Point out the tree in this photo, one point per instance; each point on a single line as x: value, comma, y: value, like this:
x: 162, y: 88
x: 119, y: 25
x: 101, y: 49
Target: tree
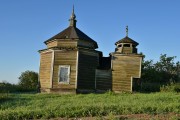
x: 28, y: 80
x: 163, y: 71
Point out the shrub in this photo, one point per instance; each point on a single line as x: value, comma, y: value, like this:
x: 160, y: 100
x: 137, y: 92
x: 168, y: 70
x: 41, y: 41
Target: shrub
x: 165, y: 71
x: 28, y: 80
x: 150, y: 87
x: 172, y: 87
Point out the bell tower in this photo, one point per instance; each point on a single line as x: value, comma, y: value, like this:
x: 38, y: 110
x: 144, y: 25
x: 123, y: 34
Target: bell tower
x: 126, y: 45
x: 125, y: 64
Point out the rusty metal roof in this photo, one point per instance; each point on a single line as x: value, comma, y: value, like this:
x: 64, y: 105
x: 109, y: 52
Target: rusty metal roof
x: 127, y: 40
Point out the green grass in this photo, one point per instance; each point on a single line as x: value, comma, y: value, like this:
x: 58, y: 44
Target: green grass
x: 44, y: 106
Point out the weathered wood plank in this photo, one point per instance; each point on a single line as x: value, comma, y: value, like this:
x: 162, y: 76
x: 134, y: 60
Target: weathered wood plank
x: 45, y: 69
x: 124, y: 68
x: 65, y: 58
x: 88, y: 62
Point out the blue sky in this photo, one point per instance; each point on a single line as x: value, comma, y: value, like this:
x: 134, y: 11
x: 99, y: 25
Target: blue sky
x: 25, y: 25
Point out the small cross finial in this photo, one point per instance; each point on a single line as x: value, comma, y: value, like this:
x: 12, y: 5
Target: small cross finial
x: 126, y: 31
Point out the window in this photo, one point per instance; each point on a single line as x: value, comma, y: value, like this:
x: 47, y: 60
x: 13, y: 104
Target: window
x: 64, y: 72
x: 120, y: 45
x: 126, y: 45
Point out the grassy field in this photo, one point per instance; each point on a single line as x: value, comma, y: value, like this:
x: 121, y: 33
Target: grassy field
x: 45, y: 106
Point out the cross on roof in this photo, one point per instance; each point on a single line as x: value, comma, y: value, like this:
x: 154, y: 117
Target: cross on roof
x: 126, y: 31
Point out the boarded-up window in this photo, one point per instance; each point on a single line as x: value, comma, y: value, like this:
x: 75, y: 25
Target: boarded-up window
x: 64, y: 72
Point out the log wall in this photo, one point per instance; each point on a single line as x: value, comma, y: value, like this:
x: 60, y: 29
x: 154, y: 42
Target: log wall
x: 64, y: 57
x: 124, y: 69
x: 62, y: 43
x: 67, y: 43
x: 45, y: 69
x: 52, y: 44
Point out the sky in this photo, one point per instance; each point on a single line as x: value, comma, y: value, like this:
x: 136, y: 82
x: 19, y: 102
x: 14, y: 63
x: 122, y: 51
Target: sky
x: 26, y: 24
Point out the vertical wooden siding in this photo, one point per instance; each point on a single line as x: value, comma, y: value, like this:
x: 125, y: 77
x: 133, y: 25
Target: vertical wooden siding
x: 87, y: 64
x: 103, y: 79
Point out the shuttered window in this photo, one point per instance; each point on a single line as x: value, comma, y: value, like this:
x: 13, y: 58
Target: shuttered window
x: 64, y: 73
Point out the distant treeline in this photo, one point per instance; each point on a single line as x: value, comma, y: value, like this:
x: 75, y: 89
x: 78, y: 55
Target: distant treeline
x: 28, y: 82
x: 13, y: 88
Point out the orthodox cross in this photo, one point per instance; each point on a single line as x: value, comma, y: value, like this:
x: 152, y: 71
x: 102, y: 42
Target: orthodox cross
x: 126, y: 31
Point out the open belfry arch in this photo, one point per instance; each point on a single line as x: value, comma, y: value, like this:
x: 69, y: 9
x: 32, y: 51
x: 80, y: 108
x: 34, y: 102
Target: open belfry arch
x: 71, y: 63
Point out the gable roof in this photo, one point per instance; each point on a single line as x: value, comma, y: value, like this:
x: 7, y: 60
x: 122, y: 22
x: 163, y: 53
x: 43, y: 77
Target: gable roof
x: 127, y: 40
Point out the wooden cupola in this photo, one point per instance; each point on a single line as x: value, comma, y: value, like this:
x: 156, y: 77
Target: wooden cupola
x: 126, y: 45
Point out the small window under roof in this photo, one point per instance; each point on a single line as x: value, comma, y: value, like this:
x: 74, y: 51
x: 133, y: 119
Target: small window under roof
x: 120, y: 45
x: 126, y: 45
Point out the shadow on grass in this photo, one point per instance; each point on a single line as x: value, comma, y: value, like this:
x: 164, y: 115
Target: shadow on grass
x: 4, y: 97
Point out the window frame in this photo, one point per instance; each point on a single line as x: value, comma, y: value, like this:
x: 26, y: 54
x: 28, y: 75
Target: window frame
x: 59, y: 71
